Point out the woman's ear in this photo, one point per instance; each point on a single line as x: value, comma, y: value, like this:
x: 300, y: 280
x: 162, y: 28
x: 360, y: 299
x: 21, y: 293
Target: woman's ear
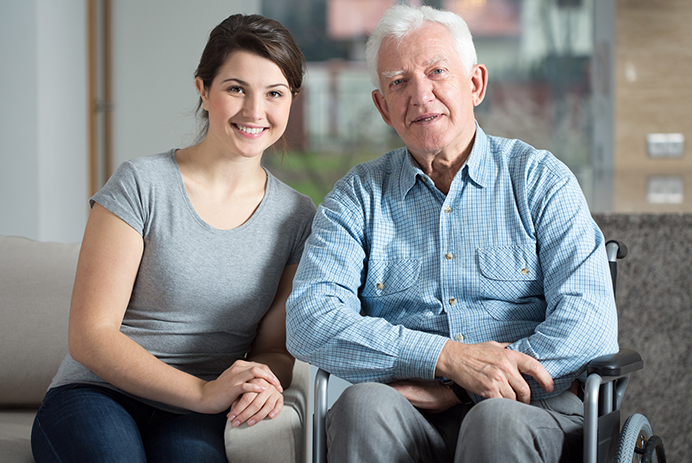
x: 203, y: 92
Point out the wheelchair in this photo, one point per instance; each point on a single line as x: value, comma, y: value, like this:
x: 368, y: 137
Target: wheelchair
x: 605, y: 441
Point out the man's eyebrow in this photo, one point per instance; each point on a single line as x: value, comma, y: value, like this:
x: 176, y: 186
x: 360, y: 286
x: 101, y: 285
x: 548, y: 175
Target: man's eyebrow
x: 430, y: 62
x: 390, y: 74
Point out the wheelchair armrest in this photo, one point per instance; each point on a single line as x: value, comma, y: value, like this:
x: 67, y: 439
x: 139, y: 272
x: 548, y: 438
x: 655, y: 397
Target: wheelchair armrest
x: 615, y: 365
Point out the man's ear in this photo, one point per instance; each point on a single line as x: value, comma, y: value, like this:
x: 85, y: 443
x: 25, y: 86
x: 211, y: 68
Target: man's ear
x: 479, y: 83
x: 381, y: 105
x: 203, y: 92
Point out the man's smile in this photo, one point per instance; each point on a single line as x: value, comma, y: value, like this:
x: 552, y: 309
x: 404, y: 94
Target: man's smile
x: 426, y: 118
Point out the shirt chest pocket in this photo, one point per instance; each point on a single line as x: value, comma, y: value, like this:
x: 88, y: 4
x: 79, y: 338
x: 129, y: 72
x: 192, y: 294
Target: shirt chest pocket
x: 511, y: 283
x: 390, y: 288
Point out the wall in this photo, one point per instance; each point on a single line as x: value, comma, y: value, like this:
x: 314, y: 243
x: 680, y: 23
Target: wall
x: 43, y: 119
x: 602, y: 105
x: 43, y: 87
x: 653, y: 64
x: 157, y: 46
x: 655, y: 318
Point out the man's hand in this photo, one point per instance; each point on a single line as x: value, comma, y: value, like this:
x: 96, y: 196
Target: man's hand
x: 491, y: 370
x: 428, y: 395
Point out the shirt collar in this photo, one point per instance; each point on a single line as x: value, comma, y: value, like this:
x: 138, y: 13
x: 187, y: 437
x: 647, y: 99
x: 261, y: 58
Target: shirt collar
x: 476, y: 164
x: 409, y: 173
x: 478, y: 161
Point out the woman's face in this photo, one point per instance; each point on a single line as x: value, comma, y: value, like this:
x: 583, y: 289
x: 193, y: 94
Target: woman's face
x: 248, y: 103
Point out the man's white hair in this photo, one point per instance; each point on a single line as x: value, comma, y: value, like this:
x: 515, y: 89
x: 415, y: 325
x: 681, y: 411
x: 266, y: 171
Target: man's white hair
x: 399, y: 20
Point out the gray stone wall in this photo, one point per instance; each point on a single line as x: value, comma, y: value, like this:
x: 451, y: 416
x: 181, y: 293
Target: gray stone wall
x: 654, y: 298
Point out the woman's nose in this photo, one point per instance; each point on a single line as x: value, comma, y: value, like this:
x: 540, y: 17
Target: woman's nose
x: 253, y: 107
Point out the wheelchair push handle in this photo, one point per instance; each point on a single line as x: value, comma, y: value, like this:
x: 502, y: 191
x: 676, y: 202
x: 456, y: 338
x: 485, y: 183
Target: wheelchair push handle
x: 616, y: 250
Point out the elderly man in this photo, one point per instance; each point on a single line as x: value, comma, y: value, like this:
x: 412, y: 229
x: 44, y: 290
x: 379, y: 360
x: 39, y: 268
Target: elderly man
x: 460, y: 281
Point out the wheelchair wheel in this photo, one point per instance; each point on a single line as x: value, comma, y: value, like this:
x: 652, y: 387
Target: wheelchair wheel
x: 633, y: 438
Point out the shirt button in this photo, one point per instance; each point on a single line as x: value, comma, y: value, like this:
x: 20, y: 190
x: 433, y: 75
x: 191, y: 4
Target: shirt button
x: 447, y: 210
x: 449, y: 256
x: 425, y: 179
x: 379, y: 286
x: 452, y: 301
x: 524, y: 271
x: 460, y: 337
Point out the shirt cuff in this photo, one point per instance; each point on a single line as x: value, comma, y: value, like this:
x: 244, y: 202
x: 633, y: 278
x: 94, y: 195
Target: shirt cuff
x: 419, y: 354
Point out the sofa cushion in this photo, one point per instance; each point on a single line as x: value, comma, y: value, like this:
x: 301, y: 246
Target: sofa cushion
x: 36, y: 280
x: 15, y: 436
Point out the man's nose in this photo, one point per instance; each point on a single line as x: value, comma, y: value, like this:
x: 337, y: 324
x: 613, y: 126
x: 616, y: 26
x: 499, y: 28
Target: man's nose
x: 421, y: 91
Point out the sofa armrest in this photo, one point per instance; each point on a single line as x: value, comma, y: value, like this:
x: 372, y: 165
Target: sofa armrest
x: 282, y: 439
x: 36, y: 280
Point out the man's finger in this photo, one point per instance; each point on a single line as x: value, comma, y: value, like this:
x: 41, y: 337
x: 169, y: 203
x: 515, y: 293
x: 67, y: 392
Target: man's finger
x: 508, y: 391
x: 520, y: 387
x: 533, y: 368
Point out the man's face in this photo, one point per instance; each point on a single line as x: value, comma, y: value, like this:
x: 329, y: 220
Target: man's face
x: 427, y: 95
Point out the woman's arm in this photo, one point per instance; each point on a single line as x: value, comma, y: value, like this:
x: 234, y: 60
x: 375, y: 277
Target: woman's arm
x: 269, y: 348
x: 108, y: 264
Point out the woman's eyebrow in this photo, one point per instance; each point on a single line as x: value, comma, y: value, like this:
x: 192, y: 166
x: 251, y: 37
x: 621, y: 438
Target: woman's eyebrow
x: 234, y: 79
x: 242, y: 82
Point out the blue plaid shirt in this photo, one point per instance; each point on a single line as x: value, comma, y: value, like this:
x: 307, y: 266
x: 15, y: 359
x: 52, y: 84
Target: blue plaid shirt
x: 394, y: 268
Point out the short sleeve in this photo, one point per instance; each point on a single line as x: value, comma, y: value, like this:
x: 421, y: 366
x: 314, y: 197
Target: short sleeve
x: 125, y: 195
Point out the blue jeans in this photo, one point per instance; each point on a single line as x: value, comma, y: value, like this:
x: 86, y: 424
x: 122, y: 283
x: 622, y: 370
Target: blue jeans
x: 86, y: 423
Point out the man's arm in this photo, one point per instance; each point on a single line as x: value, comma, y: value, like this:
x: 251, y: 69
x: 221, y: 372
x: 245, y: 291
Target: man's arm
x: 325, y: 326
x: 581, y: 320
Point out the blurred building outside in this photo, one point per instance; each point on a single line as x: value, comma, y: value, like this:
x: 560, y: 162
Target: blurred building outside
x: 538, y: 53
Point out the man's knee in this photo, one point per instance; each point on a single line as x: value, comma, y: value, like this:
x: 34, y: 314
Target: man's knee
x: 496, y: 417
x: 373, y: 422
x: 365, y: 404
x: 506, y: 430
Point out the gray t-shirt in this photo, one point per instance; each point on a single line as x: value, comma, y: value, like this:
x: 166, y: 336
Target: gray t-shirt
x: 200, y: 292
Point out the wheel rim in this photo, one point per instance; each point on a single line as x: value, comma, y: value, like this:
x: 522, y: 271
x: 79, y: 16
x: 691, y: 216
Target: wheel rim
x: 633, y: 438
x: 642, y: 439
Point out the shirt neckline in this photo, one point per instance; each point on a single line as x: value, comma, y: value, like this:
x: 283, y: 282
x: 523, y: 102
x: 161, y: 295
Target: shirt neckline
x: 193, y: 212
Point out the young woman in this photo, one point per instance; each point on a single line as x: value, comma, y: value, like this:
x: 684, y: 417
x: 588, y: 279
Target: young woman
x: 177, y: 322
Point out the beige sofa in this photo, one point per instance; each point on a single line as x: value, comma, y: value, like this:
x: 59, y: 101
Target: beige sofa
x: 36, y: 281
